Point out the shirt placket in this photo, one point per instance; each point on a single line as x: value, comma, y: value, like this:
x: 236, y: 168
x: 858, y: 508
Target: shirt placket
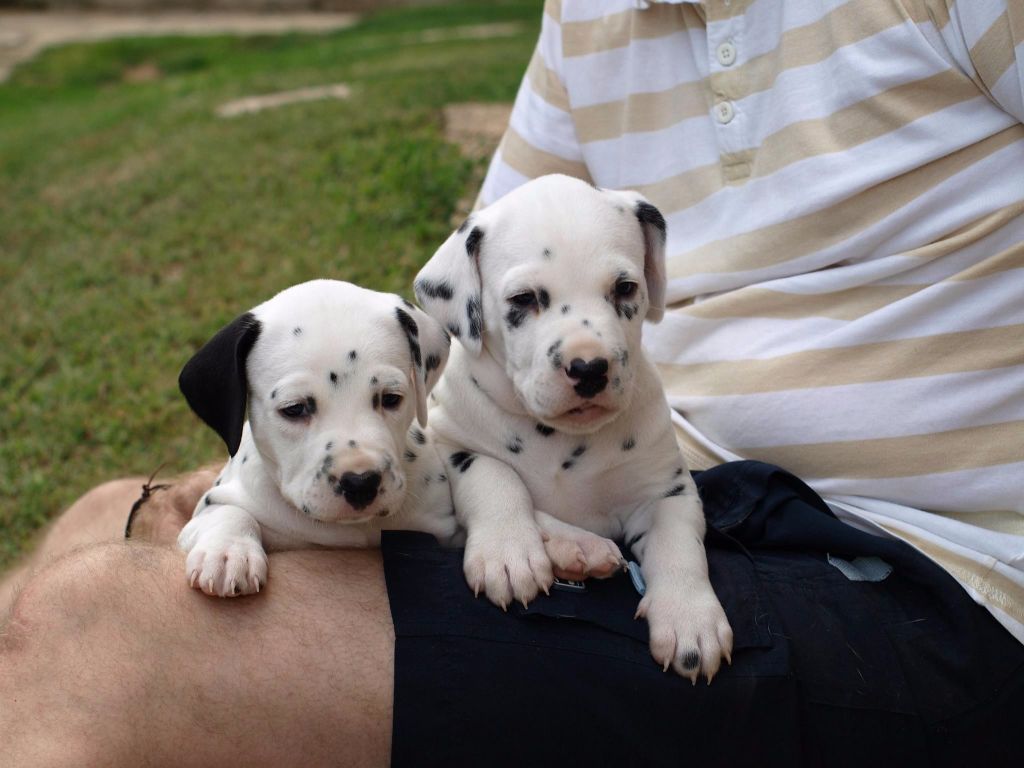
x: 732, y: 126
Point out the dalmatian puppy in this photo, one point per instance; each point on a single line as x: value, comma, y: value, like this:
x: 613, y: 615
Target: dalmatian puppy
x: 552, y: 419
x: 333, y: 376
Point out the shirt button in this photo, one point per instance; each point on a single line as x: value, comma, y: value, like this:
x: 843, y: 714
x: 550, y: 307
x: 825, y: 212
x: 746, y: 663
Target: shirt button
x: 726, y: 54
x: 724, y: 112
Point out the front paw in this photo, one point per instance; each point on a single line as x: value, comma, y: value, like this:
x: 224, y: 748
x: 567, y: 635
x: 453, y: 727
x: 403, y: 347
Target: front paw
x: 688, y: 632
x: 507, y: 566
x: 578, y: 554
x: 227, y: 567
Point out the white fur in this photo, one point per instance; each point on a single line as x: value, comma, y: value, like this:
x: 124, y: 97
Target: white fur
x: 278, y: 489
x: 531, y: 501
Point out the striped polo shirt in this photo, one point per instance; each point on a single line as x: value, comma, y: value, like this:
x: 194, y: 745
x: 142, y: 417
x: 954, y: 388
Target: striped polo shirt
x: 843, y: 182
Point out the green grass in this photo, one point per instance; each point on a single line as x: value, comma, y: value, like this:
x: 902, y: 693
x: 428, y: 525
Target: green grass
x: 134, y: 223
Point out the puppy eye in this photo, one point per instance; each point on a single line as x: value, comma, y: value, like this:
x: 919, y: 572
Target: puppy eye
x: 390, y: 401
x: 525, y: 299
x: 625, y: 289
x: 296, y: 411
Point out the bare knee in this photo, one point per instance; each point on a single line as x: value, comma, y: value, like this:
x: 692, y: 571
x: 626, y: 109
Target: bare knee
x: 75, y: 590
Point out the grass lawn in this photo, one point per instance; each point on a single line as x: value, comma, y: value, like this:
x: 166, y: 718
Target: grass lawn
x: 134, y: 222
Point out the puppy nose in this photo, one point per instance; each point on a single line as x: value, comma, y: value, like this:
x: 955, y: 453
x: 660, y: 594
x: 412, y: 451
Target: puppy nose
x: 592, y: 376
x: 358, y: 490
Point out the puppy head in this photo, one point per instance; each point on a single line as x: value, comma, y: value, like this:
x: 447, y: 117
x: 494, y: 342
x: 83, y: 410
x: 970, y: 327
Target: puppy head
x: 332, y: 375
x: 554, y: 281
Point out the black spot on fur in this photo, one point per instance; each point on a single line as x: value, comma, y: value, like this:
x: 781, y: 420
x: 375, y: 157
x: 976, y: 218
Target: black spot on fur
x: 351, y: 443
x: 462, y: 460
x: 432, y: 363
x: 334, y: 378
x: 412, y: 333
x: 312, y: 409
x: 580, y: 450
x: 677, y: 490
x: 330, y: 444
x: 543, y: 299
x: 455, y: 331
x: 442, y: 289
x: 473, y: 241
x: 475, y: 382
x: 515, y: 316
x: 586, y: 323
x: 547, y: 253
x: 297, y: 331
x: 475, y: 315
x: 408, y: 304
x: 565, y: 309
x: 648, y: 214
x: 567, y: 465
x: 310, y: 406
x: 353, y: 355
x: 515, y: 445
x: 418, y: 436
x: 463, y: 225
x: 208, y: 501
x: 679, y: 471
x: 306, y: 510
x: 273, y: 395
x: 629, y: 444
x: 545, y: 430
x: 691, y: 660
x: 554, y: 355
x: 442, y: 478
x: 409, y: 455
x: 373, y: 381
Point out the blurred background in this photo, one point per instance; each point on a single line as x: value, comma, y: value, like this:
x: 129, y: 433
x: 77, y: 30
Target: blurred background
x: 166, y: 165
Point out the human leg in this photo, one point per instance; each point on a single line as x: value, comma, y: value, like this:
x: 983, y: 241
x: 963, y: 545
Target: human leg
x: 100, y: 514
x: 108, y: 658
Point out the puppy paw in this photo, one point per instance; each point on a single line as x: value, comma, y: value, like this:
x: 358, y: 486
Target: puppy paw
x: 227, y: 567
x: 507, y: 566
x: 578, y: 554
x: 688, y: 632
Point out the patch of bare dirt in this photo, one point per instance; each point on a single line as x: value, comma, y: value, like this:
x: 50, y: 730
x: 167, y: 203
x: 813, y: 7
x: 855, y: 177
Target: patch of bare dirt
x: 476, y: 129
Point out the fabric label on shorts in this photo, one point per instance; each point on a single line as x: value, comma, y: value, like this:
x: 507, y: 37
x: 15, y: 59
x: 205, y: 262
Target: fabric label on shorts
x: 862, y: 568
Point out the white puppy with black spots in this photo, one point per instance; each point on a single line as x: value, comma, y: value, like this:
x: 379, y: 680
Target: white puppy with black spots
x: 551, y: 416
x: 333, y: 376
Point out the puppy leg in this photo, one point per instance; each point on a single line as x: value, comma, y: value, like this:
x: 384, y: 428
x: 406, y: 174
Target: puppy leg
x: 505, y: 555
x: 688, y: 628
x: 225, y: 552
x: 577, y: 553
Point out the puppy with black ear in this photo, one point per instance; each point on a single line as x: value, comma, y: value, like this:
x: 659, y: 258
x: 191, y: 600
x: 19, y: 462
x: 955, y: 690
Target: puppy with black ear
x: 553, y: 420
x: 332, y: 377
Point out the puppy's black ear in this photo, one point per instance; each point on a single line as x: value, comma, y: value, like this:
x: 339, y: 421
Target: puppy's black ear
x: 214, y: 381
x: 448, y: 287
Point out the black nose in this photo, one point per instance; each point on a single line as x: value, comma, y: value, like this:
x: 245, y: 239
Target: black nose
x: 358, y: 490
x: 592, y: 376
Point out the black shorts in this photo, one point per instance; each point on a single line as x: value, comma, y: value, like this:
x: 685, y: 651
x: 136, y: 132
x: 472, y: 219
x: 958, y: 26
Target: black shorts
x: 850, y: 649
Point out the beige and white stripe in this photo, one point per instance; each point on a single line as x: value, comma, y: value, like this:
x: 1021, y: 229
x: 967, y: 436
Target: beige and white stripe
x: 843, y: 182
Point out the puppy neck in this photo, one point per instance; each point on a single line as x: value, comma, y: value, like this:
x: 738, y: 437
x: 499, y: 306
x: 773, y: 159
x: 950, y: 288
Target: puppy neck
x: 494, y: 382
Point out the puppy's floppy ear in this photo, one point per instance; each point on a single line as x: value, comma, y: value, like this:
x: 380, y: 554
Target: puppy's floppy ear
x: 428, y: 346
x: 653, y: 229
x: 214, y: 381
x: 448, y: 287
